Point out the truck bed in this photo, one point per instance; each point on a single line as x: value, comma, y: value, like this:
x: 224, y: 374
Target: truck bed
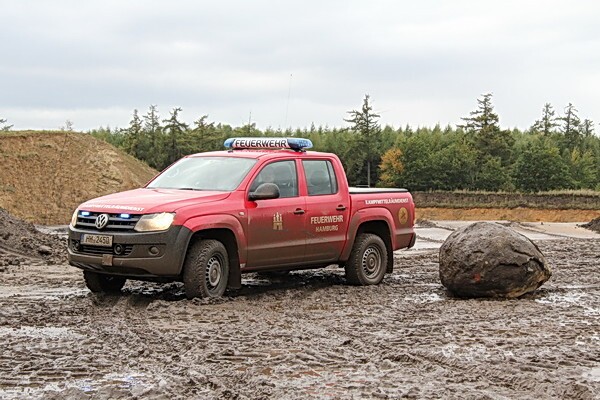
x: 361, y: 190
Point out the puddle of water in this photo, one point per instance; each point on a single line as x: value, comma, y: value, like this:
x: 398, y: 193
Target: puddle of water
x: 433, y: 234
x: 134, y: 382
x: 424, y: 298
x: 592, y: 311
x: 565, y: 229
x: 466, y: 353
x: 579, y: 298
x: 563, y: 299
x: 40, y: 332
x: 422, y: 245
x: 122, y: 381
x: 40, y: 293
x: 592, y: 375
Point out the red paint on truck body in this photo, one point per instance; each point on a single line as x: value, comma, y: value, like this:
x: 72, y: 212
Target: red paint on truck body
x: 311, y: 227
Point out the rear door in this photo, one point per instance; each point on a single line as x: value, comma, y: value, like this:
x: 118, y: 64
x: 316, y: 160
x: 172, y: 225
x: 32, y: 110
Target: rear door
x: 276, y: 228
x: 327, y: 211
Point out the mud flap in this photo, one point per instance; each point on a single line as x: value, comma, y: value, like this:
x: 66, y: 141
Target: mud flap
x: 390, y: 256
x: 390, y: 261
x: 412, y: 240
x: 235, y: 277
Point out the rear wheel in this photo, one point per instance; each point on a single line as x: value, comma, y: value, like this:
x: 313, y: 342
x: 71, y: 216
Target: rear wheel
x: 368, y: 260
x: 206, y: 269
x: 100, y: 283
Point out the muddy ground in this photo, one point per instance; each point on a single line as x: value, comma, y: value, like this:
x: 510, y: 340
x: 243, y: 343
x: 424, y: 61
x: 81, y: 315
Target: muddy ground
x: 308, y: 335
x: 593, y: 225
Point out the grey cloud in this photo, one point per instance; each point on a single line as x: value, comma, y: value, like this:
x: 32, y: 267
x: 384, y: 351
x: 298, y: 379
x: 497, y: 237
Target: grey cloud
x: 427, y: 61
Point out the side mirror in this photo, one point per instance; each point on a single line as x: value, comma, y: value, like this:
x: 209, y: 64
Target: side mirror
x: 265, y: 191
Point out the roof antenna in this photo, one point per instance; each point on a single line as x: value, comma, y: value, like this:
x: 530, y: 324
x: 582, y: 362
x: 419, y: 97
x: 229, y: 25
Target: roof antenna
x: 287, y: 107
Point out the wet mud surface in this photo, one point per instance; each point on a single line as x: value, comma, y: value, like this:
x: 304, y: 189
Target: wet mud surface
x: 593, y: 225
x: 306, y: 335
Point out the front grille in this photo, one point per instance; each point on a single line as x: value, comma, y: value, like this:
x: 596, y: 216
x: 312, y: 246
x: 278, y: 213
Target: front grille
x: 115, y: 222
x: 87, y: 249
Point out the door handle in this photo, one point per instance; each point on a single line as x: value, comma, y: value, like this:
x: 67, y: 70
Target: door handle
x: 299, y: 211
x: 340, y: 207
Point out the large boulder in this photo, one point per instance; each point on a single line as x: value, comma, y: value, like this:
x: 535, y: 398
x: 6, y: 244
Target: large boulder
x: 486, y: 259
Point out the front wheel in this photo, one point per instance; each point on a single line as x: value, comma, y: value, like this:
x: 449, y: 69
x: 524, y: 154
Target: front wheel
x: 368, y: 260
x: 100, y: 283
x: 206, y: 269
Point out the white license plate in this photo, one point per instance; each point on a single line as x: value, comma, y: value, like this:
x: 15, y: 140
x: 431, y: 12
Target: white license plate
x: 97, y: 240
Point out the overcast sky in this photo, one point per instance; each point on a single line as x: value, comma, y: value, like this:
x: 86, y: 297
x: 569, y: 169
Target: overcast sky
x: 293, y: 63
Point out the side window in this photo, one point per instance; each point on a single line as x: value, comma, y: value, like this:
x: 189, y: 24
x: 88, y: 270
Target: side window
x: 281, y: 173
x: 320, y: 177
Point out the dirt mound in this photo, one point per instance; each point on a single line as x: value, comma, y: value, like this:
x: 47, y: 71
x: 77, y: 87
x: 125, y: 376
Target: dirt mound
x: 593, y: 225
x: 21, y: 243
x: 45, y: 175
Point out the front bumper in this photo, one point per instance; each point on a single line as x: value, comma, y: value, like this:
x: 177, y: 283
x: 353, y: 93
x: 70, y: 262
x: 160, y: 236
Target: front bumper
x: 133, y: 254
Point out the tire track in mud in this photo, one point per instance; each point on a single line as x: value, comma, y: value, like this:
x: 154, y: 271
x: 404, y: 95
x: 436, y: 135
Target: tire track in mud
x: 8, y: 250
x: 9, y: 256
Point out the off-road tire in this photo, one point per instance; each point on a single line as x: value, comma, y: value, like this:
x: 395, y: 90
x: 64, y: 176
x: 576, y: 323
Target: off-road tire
x: 367, y: 264
x: 100, y: 283
x: 206, y: 269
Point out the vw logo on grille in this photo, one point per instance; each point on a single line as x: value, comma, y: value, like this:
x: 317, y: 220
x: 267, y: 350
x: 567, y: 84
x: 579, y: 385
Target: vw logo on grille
x: 101, y: 221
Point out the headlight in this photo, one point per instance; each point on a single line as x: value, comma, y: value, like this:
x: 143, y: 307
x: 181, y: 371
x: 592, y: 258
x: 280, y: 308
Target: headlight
x: 74, y: 219
x: 155, y: 222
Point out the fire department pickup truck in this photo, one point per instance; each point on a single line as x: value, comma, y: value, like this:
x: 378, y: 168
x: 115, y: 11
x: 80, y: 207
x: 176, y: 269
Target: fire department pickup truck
x: 265, y: 204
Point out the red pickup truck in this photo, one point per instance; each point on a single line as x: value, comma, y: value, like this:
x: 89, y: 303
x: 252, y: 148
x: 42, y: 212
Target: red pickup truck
x: 265, y: 204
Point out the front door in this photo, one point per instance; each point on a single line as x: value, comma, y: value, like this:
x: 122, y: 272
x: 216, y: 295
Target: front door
x: 276, y: 228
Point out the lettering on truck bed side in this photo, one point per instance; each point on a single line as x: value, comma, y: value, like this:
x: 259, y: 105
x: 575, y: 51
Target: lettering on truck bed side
x: 387, y: 201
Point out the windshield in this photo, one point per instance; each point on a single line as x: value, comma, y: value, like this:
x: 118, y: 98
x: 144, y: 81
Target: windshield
x: 204, y: 173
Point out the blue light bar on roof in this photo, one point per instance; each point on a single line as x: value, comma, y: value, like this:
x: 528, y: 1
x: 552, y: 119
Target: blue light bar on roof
x: 268, y: 143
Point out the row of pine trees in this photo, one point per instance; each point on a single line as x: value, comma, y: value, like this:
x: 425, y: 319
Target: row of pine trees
x: 557, y: 152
